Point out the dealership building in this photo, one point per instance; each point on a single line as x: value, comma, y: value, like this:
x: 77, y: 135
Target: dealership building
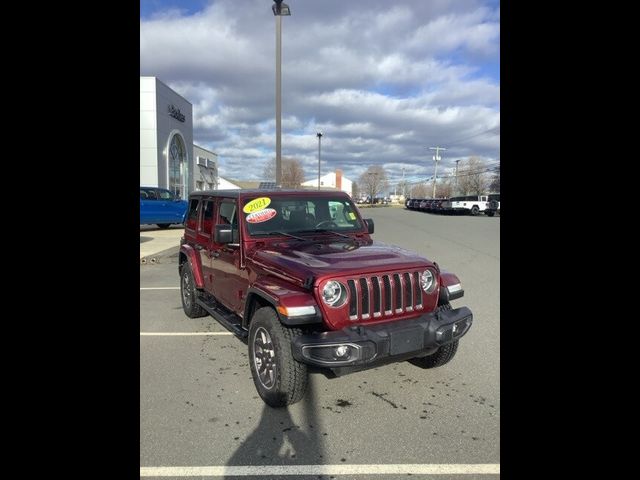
x: 168, y: 157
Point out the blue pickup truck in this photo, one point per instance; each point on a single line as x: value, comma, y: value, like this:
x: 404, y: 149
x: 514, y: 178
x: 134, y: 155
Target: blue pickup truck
x: 160, y: 206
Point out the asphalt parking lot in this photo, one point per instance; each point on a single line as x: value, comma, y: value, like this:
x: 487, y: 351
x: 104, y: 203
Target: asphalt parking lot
x: 200, y: 415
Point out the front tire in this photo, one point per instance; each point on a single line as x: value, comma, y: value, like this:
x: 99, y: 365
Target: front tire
x: 475, y: 210
x: 279, y: 378
x: 443, y: 355
x: 188, y: 293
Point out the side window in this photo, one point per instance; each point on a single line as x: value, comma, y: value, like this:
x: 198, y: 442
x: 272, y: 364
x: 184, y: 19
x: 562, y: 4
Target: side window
x: 227, y: 213
x: 192, y: 215
x: 207, y: 218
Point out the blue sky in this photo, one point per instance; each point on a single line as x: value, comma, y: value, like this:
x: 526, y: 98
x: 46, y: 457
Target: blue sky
x: 382, y: 80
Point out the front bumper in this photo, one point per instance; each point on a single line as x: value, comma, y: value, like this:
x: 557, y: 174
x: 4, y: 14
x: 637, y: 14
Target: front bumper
x: 370, y: 345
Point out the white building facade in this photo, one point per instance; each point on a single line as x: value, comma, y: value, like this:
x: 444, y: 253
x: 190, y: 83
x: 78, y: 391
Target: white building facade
x: 331, y: 180
x: 168, y: 157
x: 206, y: 169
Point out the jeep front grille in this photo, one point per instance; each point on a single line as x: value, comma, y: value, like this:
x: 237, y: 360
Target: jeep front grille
x: 384, y: 295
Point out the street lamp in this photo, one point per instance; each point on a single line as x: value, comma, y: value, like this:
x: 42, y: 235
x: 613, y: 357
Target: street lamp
x: 319, y: 135
x: 279, y: 9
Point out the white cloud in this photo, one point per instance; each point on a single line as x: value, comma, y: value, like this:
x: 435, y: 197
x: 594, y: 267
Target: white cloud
x: 381, y: 80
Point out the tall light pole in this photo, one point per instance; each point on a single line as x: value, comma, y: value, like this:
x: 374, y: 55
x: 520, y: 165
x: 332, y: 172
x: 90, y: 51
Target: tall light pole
x: 279, y: 9
x: 319, y: 135
x: 403, y: 185
x: 436, y: 158
x: 457, y: 175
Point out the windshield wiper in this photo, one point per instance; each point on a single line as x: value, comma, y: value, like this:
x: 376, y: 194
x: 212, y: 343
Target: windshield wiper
x: 284, y: 234
x: 322, y: 230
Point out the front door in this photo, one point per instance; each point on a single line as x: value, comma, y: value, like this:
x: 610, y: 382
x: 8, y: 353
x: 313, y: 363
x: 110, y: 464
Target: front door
x: 204, y: 240
x: 230, y: 282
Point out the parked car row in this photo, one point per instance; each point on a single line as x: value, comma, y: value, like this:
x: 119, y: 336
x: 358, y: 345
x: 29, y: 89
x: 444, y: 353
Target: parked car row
x: 376, y: 200
x: 470, y: 204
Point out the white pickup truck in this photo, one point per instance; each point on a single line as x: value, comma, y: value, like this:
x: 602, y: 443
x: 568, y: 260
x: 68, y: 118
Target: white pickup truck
x: 473, y: 204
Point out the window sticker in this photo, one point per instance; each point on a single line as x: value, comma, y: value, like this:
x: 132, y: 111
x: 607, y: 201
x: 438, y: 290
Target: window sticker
x: 256, y: 205
x: 352, y: 215
x: 261, y: 215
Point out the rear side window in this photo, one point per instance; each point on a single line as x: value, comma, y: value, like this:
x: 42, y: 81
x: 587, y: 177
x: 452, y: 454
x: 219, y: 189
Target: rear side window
x: 207, y: 218
x: 148, y: 194
x: 192, y: 214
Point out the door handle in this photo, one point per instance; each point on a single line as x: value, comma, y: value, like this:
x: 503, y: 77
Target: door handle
x: 215, y: 254
x: 199, y: 247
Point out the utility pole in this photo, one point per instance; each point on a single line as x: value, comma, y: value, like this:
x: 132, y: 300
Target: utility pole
x: 319, y: 135
x: 436, y: 158
x: 403, y: 185
x: 457, y: 176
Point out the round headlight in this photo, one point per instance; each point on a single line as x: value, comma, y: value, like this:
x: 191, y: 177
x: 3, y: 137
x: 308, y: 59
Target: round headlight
x: 428, y: 281
x: 334, y: 294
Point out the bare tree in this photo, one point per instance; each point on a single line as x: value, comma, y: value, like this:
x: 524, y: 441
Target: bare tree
x: 472, y: 177
x: 445, y: 187
x: 419, y: 191
x: 292, y: 172
x: 403, y: 188
x: 374, y: 181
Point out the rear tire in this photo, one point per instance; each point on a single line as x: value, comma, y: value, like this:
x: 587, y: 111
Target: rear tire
x: 163, y: 226
x: 279, y: 378
x: 189, y: 293
x: 443, y: 355
x: 490, y: 213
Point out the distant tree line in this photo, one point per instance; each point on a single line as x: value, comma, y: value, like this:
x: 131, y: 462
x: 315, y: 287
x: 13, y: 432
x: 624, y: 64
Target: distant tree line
x: 475, y: 177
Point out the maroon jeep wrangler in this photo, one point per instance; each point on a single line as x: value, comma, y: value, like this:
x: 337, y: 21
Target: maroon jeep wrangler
x: 297, y: 275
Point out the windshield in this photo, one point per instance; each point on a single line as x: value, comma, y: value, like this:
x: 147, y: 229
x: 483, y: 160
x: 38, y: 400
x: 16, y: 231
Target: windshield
x: 272, y: 215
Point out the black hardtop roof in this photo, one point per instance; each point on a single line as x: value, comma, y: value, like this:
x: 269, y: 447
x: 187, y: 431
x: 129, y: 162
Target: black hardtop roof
x: 245, y: 192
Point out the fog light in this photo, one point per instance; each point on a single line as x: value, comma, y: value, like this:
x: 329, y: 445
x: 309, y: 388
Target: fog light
x: 342, y: 351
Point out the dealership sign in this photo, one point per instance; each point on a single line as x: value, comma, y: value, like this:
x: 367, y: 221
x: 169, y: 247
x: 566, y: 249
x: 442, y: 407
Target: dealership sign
x: 176, y: 113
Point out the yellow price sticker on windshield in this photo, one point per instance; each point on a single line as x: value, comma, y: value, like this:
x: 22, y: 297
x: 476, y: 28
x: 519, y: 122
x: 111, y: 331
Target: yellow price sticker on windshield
x: 256, y: 205
x: 352, y: 215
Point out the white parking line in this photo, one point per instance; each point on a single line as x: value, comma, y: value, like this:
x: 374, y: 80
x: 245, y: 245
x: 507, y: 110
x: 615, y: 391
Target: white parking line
x: 159, y: 288
x: 273, y: 470
x: 181, y: 334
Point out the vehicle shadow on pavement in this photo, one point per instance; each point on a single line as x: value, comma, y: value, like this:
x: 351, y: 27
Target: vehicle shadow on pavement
x: 278, y: 440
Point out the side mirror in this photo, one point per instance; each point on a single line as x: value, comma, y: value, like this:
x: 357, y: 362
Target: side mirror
x: 369, y: 222
x: 223, y: 234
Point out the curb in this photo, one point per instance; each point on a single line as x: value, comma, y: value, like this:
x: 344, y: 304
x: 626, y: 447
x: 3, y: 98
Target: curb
x: 158, y: 257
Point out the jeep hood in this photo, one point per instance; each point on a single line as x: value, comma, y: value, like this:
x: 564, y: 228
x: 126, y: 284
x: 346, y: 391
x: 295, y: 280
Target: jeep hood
x: 302, y: 260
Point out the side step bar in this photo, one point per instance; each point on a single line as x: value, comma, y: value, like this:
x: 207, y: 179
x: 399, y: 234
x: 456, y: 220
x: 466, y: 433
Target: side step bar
x: 226, y: 319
